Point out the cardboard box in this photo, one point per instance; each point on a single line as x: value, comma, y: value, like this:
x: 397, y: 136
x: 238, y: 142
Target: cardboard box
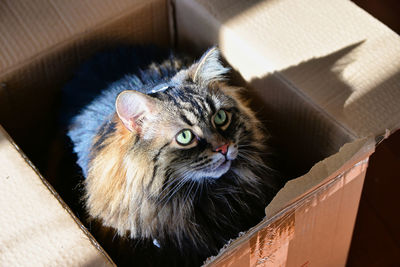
x: 326, y: 75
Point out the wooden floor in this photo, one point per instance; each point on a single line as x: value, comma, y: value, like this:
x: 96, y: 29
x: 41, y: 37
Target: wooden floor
x: 376, y: 238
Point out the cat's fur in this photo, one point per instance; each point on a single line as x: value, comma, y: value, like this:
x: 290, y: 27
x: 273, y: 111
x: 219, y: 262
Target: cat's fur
x: 142, y: 183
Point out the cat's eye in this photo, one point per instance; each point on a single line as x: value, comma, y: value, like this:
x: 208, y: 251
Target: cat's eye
x: 220, y: 118
x: 184, y: 137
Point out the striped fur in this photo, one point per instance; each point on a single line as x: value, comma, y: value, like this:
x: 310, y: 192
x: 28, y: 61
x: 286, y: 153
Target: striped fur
x: 146, y: 186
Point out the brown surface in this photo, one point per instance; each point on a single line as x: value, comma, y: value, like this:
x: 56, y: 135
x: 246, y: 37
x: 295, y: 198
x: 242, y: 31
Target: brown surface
x: 387, y: 11
x: 376, y: 238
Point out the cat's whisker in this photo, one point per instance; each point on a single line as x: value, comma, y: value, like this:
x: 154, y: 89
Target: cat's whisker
x: 259, y: 167
x: 260, y: 153
x: 169, y: 184
x: 192, y: 183
x: 248, y: 151
x: 181, y: 182
x: 166, y: 187
x: 198, y: 184
x: 187, y: 193
x: 247, y: 156
x: 172, y: 193
x: 147, y: 199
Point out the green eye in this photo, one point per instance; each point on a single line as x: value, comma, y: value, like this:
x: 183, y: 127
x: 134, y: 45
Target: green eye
x: 220, y: 118
x: 184, y: 137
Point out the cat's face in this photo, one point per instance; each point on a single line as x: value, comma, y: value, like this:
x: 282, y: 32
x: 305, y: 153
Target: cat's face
x: 202, y: 128
x: 196, y: 128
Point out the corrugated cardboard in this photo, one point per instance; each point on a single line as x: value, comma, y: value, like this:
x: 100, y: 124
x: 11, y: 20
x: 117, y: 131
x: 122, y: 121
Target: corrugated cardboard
x: 325, y: 72
x: 36, y: 226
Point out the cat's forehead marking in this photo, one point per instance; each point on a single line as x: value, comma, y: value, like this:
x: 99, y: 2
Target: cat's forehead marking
x: 216, y: 101
x: 198, y: 131
x: 188, y: 117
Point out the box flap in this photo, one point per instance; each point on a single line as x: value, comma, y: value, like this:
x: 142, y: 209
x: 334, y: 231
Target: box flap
x: 287, y: 224
x: 332, y: 52
x: 37, y: 227
x: 30, y: 28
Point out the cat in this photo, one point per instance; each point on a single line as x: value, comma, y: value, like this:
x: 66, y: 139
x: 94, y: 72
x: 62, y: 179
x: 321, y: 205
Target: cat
x: 172, y: 158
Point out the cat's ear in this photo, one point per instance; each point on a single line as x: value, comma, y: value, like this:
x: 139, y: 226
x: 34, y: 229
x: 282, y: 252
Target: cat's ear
x: 209, y: 68
x: 133, y: 107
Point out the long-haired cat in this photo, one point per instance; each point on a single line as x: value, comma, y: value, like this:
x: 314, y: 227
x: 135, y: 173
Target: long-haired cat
x: 172, y: 159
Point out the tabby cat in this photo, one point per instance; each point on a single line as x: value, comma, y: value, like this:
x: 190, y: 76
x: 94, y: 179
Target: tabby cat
x: 172, y: 157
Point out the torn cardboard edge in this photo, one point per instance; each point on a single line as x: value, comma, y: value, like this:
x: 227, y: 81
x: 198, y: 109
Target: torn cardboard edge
x: 348, y: 155
x: 321, y: 175
x: 54, y: 193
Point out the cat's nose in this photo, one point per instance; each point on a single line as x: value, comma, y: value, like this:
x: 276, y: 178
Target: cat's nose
x: 222, y: 149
